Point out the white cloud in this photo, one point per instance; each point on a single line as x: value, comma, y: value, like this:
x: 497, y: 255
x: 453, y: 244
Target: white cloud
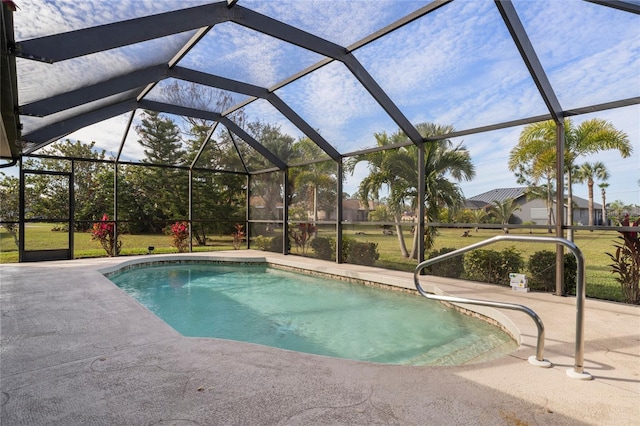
x: 457, y: 65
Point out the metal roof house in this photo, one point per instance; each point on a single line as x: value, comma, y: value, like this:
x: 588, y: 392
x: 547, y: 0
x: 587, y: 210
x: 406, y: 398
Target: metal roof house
x: 534, y: 210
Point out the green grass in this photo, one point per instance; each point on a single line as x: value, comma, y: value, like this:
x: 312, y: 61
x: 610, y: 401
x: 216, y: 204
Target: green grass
x: 41, y: 237
x: 600, y: 282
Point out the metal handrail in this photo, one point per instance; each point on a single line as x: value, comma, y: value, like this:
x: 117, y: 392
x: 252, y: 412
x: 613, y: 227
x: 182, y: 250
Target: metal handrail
x: 578, y: 368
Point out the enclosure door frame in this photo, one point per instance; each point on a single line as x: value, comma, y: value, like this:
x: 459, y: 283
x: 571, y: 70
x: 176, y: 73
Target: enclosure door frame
x: 47, y: 254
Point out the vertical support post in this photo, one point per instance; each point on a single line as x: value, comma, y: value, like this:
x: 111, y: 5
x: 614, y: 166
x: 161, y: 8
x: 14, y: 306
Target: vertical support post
x: 115, y: 204
x: 72, y: 207
x: 190, y: 209
x: 21, y: 218
x: 285, y: 213
x: 339, y: 210
x: 421, y: 200
x: 247, y: 214
x: 559, y: 206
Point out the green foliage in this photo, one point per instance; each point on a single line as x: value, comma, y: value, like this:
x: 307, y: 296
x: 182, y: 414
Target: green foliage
x: 276, y: 244
x: 396, y: 170
x: 301, y: 234
x: 179, y: 233
x: 105, y: 233
x: 262, y: 243
x: 492, y: 266
x: 347, y: 243
x: 502, y: 211
x: 360, y: 253
x: 322, y: 248
x: 238, y: 236
x: 626, y: 265
x: 450, y: 268
x: 542, y: 271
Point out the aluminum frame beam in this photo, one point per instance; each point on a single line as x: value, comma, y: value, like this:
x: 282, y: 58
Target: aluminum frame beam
x: 44, y: 136
x: 530, y: 58
x: 114, y: 86
x: 214, y: 116
x: 620, y: 5
x: 72, y: 44
x: 91, y: 40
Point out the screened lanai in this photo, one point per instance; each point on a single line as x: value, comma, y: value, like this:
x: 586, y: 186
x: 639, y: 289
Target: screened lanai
x: 277, y: 116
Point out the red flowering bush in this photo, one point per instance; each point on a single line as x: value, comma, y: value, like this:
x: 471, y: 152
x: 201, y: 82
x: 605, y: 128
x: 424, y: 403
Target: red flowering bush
x: 302, y: 236
x: 238, y: 236
x: 179, y: 233
x: 104, y: 232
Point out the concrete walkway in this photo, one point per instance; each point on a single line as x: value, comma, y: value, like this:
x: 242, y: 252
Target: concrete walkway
x: 76, y: 350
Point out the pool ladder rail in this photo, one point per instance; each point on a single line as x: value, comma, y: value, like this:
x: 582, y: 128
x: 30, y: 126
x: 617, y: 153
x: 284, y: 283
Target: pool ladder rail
x: 577, y: 372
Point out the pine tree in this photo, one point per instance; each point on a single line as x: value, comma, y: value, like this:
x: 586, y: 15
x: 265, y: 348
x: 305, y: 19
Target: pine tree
x: 167, y: 187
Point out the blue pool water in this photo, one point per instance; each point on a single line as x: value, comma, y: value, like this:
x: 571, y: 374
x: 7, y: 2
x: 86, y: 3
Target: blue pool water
x: 306, y: 313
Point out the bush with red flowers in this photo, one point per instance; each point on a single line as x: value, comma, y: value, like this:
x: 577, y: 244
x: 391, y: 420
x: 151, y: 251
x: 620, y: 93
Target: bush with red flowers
x: 105, y: 232
x: 179, y: 233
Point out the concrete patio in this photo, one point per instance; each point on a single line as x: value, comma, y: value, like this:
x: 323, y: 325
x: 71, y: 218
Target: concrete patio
x: 76, y: 350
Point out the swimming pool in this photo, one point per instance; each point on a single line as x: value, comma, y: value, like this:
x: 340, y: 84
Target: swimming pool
x: 307, y: 313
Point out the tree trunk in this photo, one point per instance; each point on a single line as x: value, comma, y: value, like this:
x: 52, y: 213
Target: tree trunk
x: 569, y: 205
x: 549, y: 207
x: 414, y: 248
x: 315, y: 210
x: 604, y: 208
x: 590, y: 186
x: 403, y: 246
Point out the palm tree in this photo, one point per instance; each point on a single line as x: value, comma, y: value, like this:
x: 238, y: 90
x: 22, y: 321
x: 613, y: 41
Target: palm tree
x: 542, y: 192
x: 588, y: 172
x: 479, y: 216
x: 537, y: 146
x: 503, y: 210
x: 316, y: 176
x: 397, y: 170
x: 603, y: 189
x: 531, y: 167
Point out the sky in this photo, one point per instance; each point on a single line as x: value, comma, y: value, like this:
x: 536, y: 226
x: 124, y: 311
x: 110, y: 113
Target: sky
x: 456, y: 66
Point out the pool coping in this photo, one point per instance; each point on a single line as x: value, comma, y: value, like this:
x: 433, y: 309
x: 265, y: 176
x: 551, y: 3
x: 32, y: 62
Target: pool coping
x: 78, y: 350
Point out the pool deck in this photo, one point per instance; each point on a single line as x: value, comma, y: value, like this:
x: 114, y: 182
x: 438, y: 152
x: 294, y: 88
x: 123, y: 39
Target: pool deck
x: 76, y: 350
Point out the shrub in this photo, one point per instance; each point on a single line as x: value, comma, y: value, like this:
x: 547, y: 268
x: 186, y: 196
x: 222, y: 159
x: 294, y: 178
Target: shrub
x: 261, y: 242
x: 512, y: 261
x: 275, y: 245
x: 542, y: 271
x: 104, y: 232
x: 179, y: 233
x: 363, y: 253
x: 492, y: 266
x: 238, y: 236
x: 301, y: 235
x: 322, y: 248
x: 626, y: 265
x: 450, y: 268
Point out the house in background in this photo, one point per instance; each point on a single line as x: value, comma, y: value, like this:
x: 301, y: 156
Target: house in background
x: 534, y: 210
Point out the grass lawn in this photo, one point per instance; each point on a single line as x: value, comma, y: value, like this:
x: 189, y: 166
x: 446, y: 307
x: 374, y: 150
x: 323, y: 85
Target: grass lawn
x: 600, y: 282
x: 40, y: 237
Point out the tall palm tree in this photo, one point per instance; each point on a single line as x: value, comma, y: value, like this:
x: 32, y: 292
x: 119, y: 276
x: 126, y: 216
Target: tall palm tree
x: 537, y: 147
x: 503, y: 210
x: 315, y: 176
x: 589, y: 172
x: 397, y: 170
x: 603, y: 189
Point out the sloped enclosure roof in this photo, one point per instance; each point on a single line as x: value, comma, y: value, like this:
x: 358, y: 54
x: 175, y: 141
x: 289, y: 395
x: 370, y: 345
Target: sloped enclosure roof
x: 335, y: 71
